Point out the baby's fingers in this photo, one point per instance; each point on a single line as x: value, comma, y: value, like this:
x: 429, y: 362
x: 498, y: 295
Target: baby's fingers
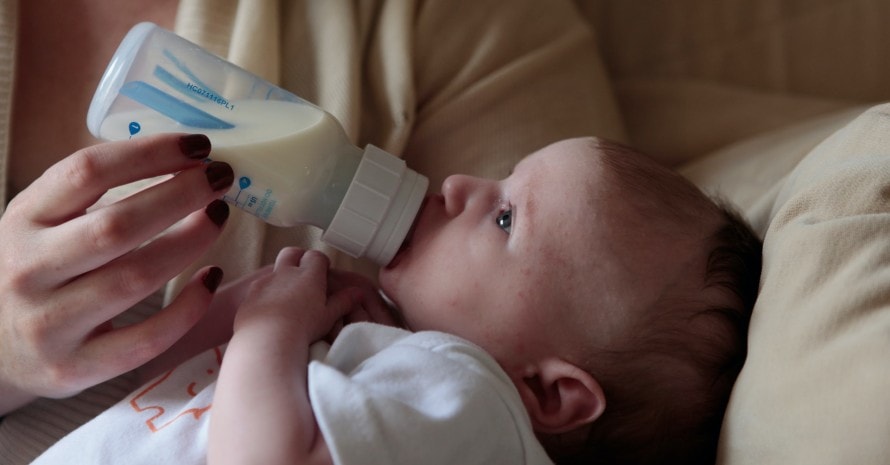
x: 373, y: 306
x: 289, y: 256
x: 339, y: 305
x: 311, y: 264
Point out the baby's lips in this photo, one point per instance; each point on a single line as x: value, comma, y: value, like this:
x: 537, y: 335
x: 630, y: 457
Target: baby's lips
x: 406, y: 244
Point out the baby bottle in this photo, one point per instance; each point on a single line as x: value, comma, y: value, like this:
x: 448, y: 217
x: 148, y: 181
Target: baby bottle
x: 293, y: 162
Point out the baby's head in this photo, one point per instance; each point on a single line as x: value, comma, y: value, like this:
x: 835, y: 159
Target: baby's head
x: 614, y: 294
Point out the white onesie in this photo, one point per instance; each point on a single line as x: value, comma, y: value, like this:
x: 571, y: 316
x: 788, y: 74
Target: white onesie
x: 381, y: 395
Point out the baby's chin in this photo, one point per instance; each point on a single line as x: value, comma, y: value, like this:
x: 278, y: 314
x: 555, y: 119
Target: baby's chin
x: 390, y: 292
x: 386, y: 278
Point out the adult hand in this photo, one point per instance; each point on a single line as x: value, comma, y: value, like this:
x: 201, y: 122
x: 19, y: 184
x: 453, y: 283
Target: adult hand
x: 213, y: 329
x: 69, y: 267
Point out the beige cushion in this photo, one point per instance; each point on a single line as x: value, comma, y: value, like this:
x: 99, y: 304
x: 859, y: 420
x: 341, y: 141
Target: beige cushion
x: 678, y: 120
x: 750, y: 172
x: 816, y: 386
x: 820, y: 48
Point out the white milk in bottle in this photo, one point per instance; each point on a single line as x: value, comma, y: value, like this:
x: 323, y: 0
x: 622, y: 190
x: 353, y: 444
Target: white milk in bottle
x: 282, y: 154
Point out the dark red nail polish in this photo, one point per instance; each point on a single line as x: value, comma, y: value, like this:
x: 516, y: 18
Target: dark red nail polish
x: 212, y: 278
x: 219, y: 175
x: 218, y: 212
x: 195, y: 146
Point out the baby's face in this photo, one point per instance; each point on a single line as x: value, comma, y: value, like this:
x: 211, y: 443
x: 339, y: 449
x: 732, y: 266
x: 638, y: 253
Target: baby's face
x: 506, y: 263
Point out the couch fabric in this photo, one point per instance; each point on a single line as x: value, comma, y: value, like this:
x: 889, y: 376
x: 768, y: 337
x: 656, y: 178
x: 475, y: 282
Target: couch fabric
x: 771, y: 104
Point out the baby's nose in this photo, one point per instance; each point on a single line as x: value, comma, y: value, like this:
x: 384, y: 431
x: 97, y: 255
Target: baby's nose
x: 456, y: 190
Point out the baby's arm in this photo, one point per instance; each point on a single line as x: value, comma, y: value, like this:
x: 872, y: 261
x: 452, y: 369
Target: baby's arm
x: 261, y: 411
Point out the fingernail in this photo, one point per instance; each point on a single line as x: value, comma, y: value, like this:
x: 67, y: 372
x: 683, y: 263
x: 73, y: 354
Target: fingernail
x: 218, y: 212
x: 195, y: 146
x: 219, y: 175
x: 212, y: 278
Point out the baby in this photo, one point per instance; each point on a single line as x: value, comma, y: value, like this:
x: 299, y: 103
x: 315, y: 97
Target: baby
x: 612, y: 294
x: 591, y: 307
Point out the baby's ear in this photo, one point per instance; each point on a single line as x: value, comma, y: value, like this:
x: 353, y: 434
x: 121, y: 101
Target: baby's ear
x: 559, y: 396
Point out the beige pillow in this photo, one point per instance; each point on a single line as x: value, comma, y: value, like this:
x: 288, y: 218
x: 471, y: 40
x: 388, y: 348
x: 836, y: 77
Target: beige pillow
x: 750, y: 172
x: 816, y: 386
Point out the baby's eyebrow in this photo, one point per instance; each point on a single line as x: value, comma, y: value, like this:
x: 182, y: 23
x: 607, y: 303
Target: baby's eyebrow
x: 515, y: 167
x: 524, y: 211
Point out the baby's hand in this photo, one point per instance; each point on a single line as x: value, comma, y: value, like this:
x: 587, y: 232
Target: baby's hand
x: 371, y: 308
x: 293, y: 302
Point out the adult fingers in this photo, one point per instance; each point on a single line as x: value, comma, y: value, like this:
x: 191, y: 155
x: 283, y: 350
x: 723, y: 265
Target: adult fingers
x: 123, y: 282
x: 124, y: 349
x: 214, y: 328
x: 112, y: 231
x: 70, y: 186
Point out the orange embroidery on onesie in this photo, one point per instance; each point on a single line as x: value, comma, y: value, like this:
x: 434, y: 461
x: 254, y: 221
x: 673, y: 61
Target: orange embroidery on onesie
x: 143, y: 401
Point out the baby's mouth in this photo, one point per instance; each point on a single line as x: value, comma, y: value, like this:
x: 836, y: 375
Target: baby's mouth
x: 406, y: 244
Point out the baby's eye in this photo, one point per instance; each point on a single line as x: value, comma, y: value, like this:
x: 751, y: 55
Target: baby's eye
x: 504, y: 220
